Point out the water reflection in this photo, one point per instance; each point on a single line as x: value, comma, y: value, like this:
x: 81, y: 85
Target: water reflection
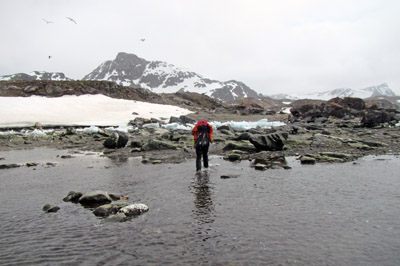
x: 203, y: 203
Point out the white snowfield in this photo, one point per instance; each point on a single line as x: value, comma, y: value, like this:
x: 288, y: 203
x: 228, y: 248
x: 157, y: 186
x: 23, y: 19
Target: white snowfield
x: 82, y: 110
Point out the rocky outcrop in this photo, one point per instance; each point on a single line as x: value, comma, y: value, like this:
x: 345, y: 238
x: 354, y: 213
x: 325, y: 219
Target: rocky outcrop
x: 347, y: 108
x: 375, y: 118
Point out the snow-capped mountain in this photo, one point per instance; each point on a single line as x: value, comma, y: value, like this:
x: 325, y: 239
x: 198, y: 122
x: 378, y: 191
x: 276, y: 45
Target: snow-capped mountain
x: 374, y: 91
x: 160, y: 77
x: 36, y: 75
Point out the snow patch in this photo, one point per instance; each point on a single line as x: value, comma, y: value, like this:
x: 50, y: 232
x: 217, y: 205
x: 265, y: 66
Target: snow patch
x: 96, y: 110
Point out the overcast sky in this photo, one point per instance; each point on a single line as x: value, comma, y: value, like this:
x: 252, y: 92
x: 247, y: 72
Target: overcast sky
x: 273, y: 46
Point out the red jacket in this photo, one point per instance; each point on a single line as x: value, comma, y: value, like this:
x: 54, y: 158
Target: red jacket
x: 195, y: 131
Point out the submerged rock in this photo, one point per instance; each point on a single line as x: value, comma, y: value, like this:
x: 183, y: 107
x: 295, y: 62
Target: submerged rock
x: 50, y: 208
x: 109, y: 209
x: 9, y: 166
x: 118, y: 218
x: 229, y: 176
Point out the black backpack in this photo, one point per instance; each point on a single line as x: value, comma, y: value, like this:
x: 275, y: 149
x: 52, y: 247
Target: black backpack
x: 202, y: 140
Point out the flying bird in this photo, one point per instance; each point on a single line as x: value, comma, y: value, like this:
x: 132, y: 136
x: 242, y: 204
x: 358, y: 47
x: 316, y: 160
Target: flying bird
x: 49, y: 56
x: 47, y: 21
x: 71, y: 20
x: 142, y: 40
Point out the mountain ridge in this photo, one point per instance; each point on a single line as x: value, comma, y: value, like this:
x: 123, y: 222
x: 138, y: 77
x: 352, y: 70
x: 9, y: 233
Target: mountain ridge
x: 160, y: 77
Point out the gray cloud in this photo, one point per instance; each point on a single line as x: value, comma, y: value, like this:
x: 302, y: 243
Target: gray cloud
x: 272, y: 46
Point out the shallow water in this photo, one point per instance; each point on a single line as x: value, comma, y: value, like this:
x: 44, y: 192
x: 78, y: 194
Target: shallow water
x: 326, y: 214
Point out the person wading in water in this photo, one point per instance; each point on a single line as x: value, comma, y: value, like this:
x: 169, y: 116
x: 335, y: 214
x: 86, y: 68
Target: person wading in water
x: 202, y: 137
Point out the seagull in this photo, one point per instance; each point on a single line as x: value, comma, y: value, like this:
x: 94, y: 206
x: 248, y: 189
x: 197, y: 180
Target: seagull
x: 47, y: 21
x: 71, y: 20
x: 49, y: 56
x: 142, y: 40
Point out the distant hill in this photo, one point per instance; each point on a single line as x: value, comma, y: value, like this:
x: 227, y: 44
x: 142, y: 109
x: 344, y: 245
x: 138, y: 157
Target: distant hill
x: 374, y: 91
x: 36, y: 75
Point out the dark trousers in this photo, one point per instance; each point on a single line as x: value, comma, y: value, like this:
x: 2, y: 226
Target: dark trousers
x: 201, y: 151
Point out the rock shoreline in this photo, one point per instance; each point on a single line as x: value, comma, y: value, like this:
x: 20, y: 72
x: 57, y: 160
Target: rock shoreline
x: 325, y: 140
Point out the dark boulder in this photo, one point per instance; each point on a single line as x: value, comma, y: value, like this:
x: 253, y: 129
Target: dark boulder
x: 117, y: 140
x: 374, y: 118
x: 334, y: 109
x: 73, y: 197
x: 270, y: 142
x: 95, y: 198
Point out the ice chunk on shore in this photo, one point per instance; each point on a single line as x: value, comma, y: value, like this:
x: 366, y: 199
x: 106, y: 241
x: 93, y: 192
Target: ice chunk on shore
x: 245, y: 125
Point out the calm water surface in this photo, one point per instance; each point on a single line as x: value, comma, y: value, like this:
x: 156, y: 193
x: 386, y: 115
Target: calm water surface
x: 326, y: 214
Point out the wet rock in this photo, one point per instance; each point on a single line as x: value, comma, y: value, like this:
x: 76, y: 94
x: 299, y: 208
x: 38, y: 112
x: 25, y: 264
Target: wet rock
x: 9, y: 166
x: 270, y: 142
x: 50, y: 208
x: 229, y: 176
x: 94, y: 198
x: 307, y: 160
x: 244, y: 136
x: 327, y: 157
x: 158, y: 145
x: 67, y: 156
x: 269, y: 159
x: 31, y: 164
x: 234, y: 157
x: 73, y: 197
x: 109, y: 209
x: 114, y: 196
x: 134, y: 209
x: 260, y: 166
x: 360, y: 146
x: 118, y: 218
x: 373, y: 143
x: 136, y: 144
x: 336, y: 155
x: 116, y: 140
x: 240, y: 145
